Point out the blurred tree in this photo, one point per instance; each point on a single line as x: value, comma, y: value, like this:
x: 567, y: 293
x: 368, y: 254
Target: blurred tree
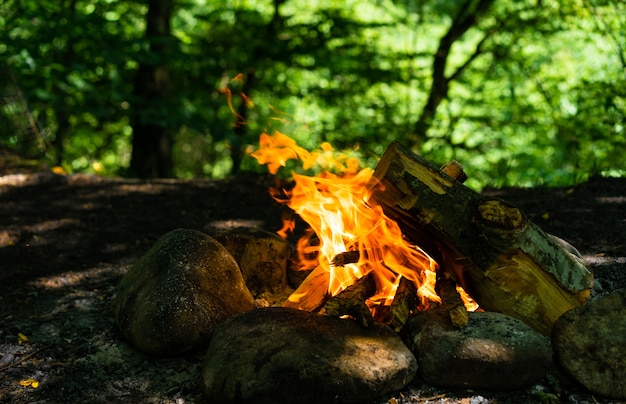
x: 470, y: 11
x: 70, y: 61
x: 152, y: 132
x: 522, y: 92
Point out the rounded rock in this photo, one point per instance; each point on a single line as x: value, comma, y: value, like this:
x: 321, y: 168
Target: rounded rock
x: 493, y: 352
x: 590, y: 344
x: 280, y: 355
x: 172, y: 299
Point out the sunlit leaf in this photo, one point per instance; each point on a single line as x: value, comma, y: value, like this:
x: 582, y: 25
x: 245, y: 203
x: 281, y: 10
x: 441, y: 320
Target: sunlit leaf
x: 59, y: 170
x: 29, y: 383
x: 21, y: 338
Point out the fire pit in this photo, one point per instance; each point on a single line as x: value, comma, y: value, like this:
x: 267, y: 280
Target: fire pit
x: 378, y: 235
x: 381, y: 247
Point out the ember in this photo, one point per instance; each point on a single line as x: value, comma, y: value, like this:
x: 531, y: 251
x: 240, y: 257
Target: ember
x: 354, y: 238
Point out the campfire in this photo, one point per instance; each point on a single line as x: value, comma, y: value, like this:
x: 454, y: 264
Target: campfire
x: 407, y: 236
x: 361, y: 264
x: 380, y: 246
x: 406, y: 250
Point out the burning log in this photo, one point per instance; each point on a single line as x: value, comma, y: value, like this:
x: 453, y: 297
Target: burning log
x: 403, y: 303
x: 312, y: 292
x: 351, y: 301
x: 504, y: 261
x: 451, y: 299
x: 344, y: 258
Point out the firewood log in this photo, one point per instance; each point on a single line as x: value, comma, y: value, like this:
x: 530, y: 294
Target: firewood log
x: 351, y: 301
x: 451, y: 301
x: 312, y: 292
x: 503, y: 260
x: 403, y: 304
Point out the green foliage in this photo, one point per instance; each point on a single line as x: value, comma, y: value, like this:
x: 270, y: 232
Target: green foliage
x: 536, y: 93
x: 71, y: 65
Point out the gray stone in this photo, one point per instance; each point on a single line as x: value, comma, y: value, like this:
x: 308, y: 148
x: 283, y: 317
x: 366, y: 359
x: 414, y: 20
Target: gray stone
x: 590, y: 344
x: 178, y: 293
x: 494, y: 351
x: 280, y: 355
x: 262, y: 257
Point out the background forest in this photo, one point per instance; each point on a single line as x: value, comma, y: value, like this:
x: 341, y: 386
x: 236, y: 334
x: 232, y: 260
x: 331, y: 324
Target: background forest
x: 524, y: 92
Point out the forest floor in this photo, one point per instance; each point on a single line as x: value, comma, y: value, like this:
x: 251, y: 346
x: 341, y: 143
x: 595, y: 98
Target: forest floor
x: 66, y: 241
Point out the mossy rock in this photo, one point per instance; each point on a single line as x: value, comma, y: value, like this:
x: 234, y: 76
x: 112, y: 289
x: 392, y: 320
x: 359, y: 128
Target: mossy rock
x: 178, y: 293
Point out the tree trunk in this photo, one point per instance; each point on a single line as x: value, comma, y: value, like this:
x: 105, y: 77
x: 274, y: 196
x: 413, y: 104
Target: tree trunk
x: 467, y: 17
x: 504, y: 261
x: 63, y: 112
x: 152, y: 135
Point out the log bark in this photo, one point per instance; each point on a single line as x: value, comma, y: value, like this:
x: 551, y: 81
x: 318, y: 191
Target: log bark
x: 403, y: 304
x: 503, y: 260
x: 451, y: 301
x: 351, y: 301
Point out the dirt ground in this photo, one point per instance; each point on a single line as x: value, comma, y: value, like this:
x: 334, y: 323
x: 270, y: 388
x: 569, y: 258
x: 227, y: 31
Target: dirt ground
x: 66, y: 241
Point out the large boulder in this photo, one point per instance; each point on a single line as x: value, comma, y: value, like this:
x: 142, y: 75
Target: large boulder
x: 590, y: 344
x: 493, y: 352
x: 178, y: 293
x: 279, y: 355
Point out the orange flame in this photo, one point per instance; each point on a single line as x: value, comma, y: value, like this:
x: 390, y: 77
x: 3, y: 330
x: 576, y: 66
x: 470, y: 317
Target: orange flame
x: 274, y: 151
x: 342, y: 217
x: 239, y: 120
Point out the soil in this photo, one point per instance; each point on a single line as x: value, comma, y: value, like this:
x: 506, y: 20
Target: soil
x: 66, y: 241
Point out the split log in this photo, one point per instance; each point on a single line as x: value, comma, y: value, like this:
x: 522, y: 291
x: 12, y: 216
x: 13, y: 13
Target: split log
x: 345, y: 258
x: 351, y: 301
x: 403, y: 304
x: 312, y: 292
x: 455, y: 170
x: 504, y: 261
x: 451, y: 301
